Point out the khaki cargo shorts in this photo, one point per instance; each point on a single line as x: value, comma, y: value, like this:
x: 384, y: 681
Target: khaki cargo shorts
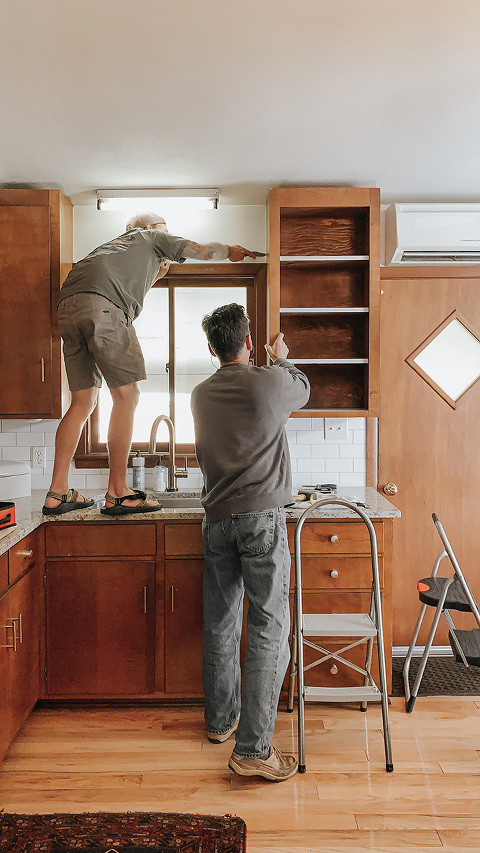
x: 98, y: 340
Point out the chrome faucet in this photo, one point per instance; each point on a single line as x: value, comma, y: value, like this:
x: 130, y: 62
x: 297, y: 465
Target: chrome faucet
x: 173, y: 473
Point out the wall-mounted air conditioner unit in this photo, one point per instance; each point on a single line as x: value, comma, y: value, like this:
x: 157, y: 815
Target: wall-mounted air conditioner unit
x: 432, y: 234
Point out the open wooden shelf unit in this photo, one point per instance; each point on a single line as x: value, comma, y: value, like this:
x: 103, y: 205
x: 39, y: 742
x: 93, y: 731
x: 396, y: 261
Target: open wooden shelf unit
x: 324, y: 278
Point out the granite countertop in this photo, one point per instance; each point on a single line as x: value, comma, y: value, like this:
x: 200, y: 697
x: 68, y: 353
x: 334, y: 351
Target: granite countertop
x: 28, y: 512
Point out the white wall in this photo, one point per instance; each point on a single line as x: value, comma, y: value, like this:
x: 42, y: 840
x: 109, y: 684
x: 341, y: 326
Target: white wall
x: 315, y: 458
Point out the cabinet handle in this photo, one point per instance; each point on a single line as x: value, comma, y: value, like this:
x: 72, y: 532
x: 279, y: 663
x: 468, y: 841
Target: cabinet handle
x: 334, y: 573
x: 13, y: 627
x: 20, y: 626
x: 144, y: 599
x: 172, y: 592
x: 42, y: 362
x: 334, y: 538
x: 334, y: 669
x: 24, y: 553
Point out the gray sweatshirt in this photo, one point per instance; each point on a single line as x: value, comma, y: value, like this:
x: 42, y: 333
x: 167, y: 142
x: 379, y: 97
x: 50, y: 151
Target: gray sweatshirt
x: 240, y: 414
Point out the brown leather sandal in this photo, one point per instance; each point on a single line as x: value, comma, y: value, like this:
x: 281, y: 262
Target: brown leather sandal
x: 67, y: 503
x: 118, y: 508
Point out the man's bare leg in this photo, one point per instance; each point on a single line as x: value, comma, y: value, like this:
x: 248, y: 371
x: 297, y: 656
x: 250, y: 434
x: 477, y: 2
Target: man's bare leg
x: 120, y: 431
x: 66, y: 440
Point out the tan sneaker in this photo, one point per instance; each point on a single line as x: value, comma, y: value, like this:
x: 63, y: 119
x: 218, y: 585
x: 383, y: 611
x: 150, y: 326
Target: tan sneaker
x: 277, y: 767
x: 223, y: 736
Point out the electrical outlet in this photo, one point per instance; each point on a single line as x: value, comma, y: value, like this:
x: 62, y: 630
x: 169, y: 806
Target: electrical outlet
x: 336, y: 429
x: 39, y: 459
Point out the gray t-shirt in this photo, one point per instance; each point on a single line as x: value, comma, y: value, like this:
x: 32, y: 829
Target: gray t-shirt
x: 124, y: 269
x: 240, y: 414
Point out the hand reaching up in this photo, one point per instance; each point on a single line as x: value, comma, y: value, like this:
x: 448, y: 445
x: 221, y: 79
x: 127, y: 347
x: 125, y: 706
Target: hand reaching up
x: 278, y: 349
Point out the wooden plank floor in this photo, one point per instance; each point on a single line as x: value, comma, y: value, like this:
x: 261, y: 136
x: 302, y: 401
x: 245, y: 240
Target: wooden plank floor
x: 158, y: 759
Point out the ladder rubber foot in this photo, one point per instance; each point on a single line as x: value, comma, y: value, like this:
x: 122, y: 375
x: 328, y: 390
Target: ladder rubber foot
x: 289, y: 710
x: 302, y: 768
x: 364, y: 710
x: 410, y: 704
x: 389, y: 768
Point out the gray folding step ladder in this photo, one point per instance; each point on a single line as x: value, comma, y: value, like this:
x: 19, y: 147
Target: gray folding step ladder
x: 355, y: 628
x: 445, y: 594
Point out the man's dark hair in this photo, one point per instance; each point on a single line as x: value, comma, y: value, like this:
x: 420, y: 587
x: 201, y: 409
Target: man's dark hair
x: 226, y: 329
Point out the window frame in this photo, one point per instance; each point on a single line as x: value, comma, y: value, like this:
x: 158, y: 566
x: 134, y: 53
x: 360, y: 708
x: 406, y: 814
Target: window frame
x: 91, y: 453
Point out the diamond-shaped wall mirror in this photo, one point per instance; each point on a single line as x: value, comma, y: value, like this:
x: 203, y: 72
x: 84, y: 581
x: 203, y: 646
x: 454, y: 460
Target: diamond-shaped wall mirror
x: 449, y: 359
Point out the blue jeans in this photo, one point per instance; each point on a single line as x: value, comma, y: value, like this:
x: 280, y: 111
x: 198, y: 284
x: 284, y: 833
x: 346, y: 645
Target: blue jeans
x: 249, y: 553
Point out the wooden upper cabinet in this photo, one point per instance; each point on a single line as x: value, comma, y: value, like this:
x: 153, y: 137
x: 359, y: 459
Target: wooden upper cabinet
x: 324, y: 285
x: 36, y: 252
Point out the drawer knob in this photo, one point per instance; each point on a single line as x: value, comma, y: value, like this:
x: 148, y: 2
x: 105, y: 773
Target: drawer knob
x: 334, y: 669
x: 25, y: 553
x: 334, y: 573
x: 334, y: 538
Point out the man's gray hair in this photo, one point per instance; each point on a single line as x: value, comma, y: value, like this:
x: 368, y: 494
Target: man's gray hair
x: 141, y: 220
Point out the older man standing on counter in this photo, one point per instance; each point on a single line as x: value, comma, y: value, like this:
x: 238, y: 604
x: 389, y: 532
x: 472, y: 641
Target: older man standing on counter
x: 240, y: 414
x: 99, y: 300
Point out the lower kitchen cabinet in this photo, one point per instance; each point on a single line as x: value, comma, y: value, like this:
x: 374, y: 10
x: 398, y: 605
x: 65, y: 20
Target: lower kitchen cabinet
x: 183, y: 626
x: 100, y: 627
x: 19, y: 655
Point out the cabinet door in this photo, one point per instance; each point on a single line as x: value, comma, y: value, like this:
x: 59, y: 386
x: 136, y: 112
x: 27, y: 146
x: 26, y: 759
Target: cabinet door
x: 7, y: 653
x: 183, y: 626
x: 25, y: 318
x: 24, y: 606
x: 100, y: 627
x: 19, y: 656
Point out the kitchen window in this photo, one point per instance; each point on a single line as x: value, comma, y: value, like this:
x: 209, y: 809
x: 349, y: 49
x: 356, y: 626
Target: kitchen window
x: 177, y: 356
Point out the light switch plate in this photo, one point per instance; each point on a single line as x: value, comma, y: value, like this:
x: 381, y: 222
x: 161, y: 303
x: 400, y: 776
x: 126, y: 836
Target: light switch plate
x: 336, y: 429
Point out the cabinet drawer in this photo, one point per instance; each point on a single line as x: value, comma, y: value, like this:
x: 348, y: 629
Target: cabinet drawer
x: 100, y: 540
x: 331, y: 573
x: 349, y: 537
x: 3, y: 572
x: 22, y: 556
x: 183, y: 539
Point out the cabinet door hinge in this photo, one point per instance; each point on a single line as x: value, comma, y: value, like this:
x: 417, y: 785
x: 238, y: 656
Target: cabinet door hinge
x: 45, y: 580
x: 45, y: 673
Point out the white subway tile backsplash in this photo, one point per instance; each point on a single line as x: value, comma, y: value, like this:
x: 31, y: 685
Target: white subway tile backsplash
x: 304, y: 424
x: 351, y: 451
x: 313, y: 437
x: 325, y: 451
x: 354, y: 480
x: 12, y: 425
x: 16, y: 454
x: 357, y: 424
x: 300, y: 451
x: 311, y: 457
x: 309, y: 465
x: 8, y: 439
x: 338, y: 465
x: 45, y: 426
x: 30, y: 439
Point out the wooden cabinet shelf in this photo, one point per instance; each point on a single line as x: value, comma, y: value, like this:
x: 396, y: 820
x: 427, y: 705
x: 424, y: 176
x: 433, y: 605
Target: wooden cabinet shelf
x: 324, y: 274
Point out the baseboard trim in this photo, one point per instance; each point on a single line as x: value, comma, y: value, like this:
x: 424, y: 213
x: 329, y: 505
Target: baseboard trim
x: 435, y: 651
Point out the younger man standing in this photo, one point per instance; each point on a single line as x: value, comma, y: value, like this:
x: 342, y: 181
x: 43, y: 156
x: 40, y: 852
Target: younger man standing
x: 240, y: 414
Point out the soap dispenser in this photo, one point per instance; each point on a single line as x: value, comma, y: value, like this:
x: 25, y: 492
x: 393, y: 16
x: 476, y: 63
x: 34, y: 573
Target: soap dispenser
x: 138, y: 464
x: 159, y: 481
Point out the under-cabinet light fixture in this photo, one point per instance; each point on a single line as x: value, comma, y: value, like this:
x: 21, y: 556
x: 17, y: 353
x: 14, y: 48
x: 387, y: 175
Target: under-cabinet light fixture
x: 198, y: 198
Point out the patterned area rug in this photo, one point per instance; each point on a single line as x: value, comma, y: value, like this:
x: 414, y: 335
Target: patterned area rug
x: 442, y: 677
x: 131, y: 832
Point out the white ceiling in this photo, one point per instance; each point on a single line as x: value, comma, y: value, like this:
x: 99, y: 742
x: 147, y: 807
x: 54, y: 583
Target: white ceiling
x: 242, y: 95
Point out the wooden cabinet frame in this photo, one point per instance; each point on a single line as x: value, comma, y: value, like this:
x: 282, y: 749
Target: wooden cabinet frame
x: 324, y: 274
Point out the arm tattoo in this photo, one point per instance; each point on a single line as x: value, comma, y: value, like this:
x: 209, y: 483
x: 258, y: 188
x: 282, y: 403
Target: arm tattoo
x: 208, y: 252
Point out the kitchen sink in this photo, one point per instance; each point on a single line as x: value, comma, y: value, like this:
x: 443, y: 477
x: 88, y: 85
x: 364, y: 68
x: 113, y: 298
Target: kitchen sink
x: 180, y: 502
